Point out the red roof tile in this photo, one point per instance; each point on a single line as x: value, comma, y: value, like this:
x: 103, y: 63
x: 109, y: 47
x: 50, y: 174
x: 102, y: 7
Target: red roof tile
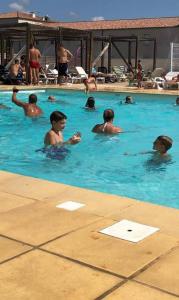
x: 104, y: 24
x: 121, y: 24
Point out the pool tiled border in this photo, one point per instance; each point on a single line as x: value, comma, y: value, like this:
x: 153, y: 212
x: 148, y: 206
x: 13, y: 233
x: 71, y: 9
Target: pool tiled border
x: 49, y: 253
x: 39, y: 240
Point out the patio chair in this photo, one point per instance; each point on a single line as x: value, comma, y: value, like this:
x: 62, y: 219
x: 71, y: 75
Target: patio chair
x: 119, y: 73
x: 78, y: 76
x: 47, y: 78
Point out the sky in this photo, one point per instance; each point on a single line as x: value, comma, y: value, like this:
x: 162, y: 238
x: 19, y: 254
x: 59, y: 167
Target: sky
x: 77, y: 10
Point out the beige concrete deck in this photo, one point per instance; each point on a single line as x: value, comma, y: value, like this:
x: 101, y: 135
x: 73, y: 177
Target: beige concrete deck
x: 50, y: 253
x: 47, y: 253
x: 110, y: 87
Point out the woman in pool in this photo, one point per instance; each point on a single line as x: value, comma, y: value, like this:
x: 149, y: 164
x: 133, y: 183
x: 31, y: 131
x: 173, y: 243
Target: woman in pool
x: 90, y: 104
x: 107, y: 127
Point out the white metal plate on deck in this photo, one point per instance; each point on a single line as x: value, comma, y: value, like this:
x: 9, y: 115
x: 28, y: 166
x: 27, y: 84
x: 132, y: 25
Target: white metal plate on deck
x: 70, y: 205
x: 129, y: 231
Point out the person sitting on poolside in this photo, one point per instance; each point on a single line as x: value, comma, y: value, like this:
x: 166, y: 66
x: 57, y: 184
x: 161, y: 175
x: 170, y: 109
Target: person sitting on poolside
x: 90, y: 104
x: 30, y: 109
x: 107, y: 127
x: 51, y: 99
x: 88, y: 82
x: 54, y: 136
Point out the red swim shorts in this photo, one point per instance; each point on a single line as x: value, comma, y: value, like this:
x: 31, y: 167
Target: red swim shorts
x: 34, y: 64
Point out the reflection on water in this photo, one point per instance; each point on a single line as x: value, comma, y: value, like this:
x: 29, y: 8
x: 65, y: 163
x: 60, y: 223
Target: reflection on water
x: 158, y: 162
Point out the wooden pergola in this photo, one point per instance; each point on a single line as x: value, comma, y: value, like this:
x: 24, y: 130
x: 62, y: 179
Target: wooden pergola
x: 47, y: 31
x: 30, y: 33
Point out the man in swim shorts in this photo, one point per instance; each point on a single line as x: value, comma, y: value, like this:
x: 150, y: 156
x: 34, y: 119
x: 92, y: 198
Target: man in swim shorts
x: 34, y: 58
x: 63, y: 57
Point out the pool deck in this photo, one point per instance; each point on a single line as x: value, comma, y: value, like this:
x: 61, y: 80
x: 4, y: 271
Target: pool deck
x: 48, y: 253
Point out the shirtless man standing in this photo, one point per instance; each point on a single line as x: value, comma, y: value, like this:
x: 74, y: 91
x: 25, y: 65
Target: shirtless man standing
x: 30, y: 109
x: 34, y: 58
x: 63, y: 57
x: 14, y: 69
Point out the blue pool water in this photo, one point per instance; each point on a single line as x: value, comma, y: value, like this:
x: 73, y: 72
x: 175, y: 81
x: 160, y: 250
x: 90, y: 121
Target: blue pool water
x: 98, y: 162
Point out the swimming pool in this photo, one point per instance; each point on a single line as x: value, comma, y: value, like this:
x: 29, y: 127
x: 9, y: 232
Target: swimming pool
x: 98, y: 162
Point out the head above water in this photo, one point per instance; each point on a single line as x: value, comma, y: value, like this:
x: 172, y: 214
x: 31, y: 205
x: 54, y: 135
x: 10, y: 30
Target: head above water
x: 108, y: 115
x: 128, y: 100
x: 57, y: 116
x: 32, y: 99
x: 164, y: 141
x: 177, y: 100
x: 90, y: 103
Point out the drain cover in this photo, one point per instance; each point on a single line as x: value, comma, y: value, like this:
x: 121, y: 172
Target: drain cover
x: 70, y: 205
x: 129, y: 231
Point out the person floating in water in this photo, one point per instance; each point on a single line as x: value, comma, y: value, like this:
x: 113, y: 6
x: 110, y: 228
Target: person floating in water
x: 51, y: 99
x: 128, y: 100
x: 90, y: 104
x: 107, y: 127
x: 54, y: 136
x: 177, y: 101
x: 88, y: 82
x: 30, y: 109
x: 3, y: 106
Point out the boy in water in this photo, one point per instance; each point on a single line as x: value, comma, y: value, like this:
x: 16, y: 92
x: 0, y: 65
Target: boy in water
x: 30, y: 109
x: 54, y: 136
x: 162, y: 144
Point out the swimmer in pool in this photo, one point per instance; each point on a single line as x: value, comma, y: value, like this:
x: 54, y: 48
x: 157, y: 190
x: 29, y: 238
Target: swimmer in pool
x: 30, y: 109
x: 90, y: 104
x: 51, y: 99
x: 107, y: 127
x: 54, y: 136
x: 3, y: 106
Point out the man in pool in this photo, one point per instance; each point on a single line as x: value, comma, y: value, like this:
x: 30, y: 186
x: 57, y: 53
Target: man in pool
x: 107, y: 127
x: 30, y: 109
x: 54, y: 136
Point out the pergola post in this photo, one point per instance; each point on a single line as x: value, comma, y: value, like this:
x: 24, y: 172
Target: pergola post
x: 154, y: 54
x: 129, y: 51
x: 109, y: 56
x: 90, y: 53
x: 2, y: 50
x: 28, y: 41
x: 136, y: 52
x: 81, y: 53
x: 102, y: 47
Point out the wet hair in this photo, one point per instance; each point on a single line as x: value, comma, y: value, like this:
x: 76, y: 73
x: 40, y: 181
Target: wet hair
x: 57, y: 116
x: 177, y: 100
x: 16, y: 61
x: 90, y: 102
x: 128, y: 99
x: 32, y: 98
x: 31, y: 46
x: 108, y: 115
x: 166, y: 141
